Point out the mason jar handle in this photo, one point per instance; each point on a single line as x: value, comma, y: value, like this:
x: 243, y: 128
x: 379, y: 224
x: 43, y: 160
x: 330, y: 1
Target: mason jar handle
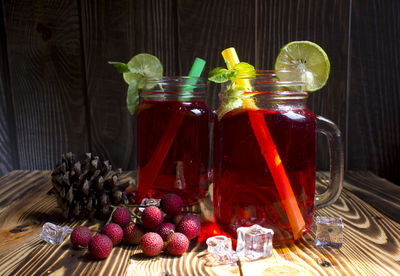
x: 332, y: 132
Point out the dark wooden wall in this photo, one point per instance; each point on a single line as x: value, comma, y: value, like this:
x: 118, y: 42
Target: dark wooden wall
x: 58, y: 94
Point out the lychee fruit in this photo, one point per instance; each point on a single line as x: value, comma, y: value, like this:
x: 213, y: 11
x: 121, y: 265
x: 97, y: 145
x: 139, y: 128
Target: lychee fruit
x: 178, y: 244
x: 171, y: 204
x: 100, y: 246
x: 121, y: 216
x: 133, y: 233
x: 152, y: 217
x: 189, y: 226
x: 114, y: 232
x: 81, y: 236
x: 152, y: 244
x: 164, y: 229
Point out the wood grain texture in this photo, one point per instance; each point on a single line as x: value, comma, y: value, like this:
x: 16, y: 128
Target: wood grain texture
x: 6, y: 159
x: 378, y: 192
x: 7, y: 133
x: 154, y: 26
x: 371, y: 241
x: 208, y: 27
x: 374, y: 101
x: 16, y: 214
x: 323, y: 22
x: 44, y: 57
x: 107, y: 35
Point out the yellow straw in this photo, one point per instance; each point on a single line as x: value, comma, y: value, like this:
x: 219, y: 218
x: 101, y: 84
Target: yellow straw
x: 270, y: 153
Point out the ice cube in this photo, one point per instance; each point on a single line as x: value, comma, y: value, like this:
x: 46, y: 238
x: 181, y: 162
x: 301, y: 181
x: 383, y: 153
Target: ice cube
x: 149, y: 202
x: 254, y: 242
x: 220, y: 248
x: 54, y: 234
x: 329, y: 231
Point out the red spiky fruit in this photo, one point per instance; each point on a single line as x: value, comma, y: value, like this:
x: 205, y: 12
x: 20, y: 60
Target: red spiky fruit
x: 133, y: 233
x: 171, y: 204
x: 100, y: 246
x: 152, y: 217
x: 152, y: 244
x: 178, y: 244
x: 81, y: 236
x: 121, y: 216
x: 189, y: 226
x: 164, y: 229
x: 114, y: 232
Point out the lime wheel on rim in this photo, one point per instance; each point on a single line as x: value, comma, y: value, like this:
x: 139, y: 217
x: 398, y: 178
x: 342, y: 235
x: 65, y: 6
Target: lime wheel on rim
x: 307, y: 57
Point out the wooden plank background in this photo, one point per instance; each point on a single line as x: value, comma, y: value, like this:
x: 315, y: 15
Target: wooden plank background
x: 58, y: 93
x: 8, y: 154
x: 47, y: 81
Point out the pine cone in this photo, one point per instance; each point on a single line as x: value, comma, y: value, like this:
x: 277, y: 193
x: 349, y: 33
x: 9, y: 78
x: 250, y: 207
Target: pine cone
x: 87, y: 188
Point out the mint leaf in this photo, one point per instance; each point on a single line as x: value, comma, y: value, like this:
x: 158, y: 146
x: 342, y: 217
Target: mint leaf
x: 220, y: 75
x: 235, y: 90
x: 246, y: 69
x: 121, y: 67
x: 132, y: 97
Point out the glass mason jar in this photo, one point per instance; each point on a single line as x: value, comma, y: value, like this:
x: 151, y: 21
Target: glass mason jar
x: 265, y: 157
x: 173, y: 139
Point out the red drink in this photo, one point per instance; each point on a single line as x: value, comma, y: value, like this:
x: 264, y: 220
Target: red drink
x: 184, y: 169
x: 245, y: 192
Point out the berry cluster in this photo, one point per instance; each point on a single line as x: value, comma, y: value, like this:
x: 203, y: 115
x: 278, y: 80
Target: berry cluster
x: 101, y: 244
x: 164, y: 228
x: 171, y: 232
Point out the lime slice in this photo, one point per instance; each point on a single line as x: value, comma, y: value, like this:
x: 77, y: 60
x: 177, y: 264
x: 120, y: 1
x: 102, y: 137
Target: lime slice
x: 307, y: 57
x: 142, y: 72
x: 143, y: 66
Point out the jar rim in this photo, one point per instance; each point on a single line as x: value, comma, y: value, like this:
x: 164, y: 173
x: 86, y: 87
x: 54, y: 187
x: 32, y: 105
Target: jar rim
x: 282, y: 77
x: 194, y: 84
x: 174, y: 78
x: 170, y: 88
x: 281, y: 95
x: 274, y: 71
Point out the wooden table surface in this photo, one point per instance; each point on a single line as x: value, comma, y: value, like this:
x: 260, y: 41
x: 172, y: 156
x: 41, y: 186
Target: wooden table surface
x: 368, y: 205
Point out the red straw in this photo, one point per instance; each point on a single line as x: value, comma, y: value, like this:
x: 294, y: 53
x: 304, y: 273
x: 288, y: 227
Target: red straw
x: 149, y: 173
x: 274, y: 162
